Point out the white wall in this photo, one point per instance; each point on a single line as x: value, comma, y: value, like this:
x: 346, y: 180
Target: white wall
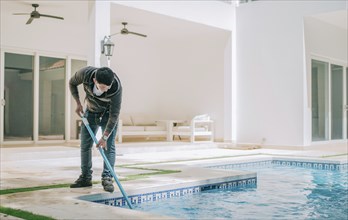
x: 270, y: 66
x: 181, y: 76
x: 172, y: 78
x: 63, y: 37
x: 192, y: 79
x: 324, y: 39
x: 137, y: 63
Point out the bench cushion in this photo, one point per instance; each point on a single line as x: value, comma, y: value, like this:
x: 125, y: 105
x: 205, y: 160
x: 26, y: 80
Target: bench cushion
x: 132, y: 128
x: 155, y: 128
x: 143, y: 120
x: 187, y: 129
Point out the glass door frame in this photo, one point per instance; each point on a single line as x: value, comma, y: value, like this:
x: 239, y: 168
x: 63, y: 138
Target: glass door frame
x: 36, y: 55
x: 37, y: 95
x: 345, y: 102
x: 2, y: 94
x: 344, y: 65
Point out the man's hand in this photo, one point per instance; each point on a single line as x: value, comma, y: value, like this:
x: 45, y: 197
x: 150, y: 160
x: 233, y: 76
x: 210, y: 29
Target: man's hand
x: 79, y: 110
x: 102, y: 143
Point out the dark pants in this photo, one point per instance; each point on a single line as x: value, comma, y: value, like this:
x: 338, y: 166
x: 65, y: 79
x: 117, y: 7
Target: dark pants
x: 87, y: 143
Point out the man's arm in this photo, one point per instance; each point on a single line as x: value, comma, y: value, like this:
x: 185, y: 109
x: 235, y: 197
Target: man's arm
x: 74, y: 81
x: 115, y: 107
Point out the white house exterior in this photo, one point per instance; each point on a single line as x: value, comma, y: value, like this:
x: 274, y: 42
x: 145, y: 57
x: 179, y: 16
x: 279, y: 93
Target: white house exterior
x: 249, y: 67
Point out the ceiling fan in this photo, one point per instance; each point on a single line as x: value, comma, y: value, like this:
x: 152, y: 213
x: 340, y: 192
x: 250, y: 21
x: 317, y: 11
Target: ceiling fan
x: 124, y: 30
x: 36, y: 14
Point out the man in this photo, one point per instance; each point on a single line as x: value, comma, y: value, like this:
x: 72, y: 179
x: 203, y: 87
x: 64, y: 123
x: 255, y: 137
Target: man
x: 103, y: 98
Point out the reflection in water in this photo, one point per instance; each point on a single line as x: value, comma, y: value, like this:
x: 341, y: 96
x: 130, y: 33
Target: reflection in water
x: 281, y: 193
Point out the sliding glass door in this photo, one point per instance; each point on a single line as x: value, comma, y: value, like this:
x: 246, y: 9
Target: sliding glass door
x: 18, y: 96
x: 329, y: 116
x: 320, y: 100
x: 51, y: 98
x: 337, y: 107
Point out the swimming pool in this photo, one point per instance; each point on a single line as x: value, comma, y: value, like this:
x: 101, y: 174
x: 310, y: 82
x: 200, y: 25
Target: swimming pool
x: 282, y: 192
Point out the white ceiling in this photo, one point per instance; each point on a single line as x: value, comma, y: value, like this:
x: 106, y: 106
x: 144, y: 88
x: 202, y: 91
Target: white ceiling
x: 161, y: 26
x: 50, y: 7
x: 336, y: 18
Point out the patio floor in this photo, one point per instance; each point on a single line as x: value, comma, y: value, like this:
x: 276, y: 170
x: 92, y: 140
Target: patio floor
x: 32, y: 166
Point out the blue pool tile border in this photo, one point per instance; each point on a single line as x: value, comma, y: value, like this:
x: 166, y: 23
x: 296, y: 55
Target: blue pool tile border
x: 166, y: 194
x: 312, y: 165
x: 281, y: 162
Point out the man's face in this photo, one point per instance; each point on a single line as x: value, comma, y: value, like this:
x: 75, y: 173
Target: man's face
x: 100, y: 86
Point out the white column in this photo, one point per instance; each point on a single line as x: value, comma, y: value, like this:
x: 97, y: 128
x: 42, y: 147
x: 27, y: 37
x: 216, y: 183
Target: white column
x: 234, y: 78
x: 36, y: 97
x: 307, y: 93
x: 228, y: 94
x: 99, y: 21
x: 67, y: 99
x: 345, y: 87
x: 230, y: 84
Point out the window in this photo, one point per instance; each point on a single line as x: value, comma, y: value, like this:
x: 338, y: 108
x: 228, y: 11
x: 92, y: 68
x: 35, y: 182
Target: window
x: 328, y: 104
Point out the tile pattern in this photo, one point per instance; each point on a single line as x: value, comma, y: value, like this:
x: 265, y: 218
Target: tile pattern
x: 265, y: 163
x: 160, y: 195
x: 280, y: 162
x: 312, y: 165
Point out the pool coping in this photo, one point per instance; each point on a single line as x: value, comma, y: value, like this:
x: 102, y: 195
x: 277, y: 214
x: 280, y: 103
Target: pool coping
x: 236, y: 180
x: 222, y: 178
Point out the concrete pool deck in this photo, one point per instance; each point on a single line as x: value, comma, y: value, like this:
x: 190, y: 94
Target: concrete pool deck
x: 32, y: 166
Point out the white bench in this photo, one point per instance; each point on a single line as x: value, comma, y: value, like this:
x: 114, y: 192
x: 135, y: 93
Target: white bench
x: 199, y: 126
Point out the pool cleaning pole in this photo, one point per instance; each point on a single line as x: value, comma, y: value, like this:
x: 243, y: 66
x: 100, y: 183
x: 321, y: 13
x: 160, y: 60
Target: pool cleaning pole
x: 101, y: 150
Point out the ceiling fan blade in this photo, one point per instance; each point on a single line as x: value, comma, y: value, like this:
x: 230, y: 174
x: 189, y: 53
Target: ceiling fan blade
x: 21, y: 13
x: 30, y: 20
x: 51, y: 16
x: 114, y: 34
x: 142, y: 35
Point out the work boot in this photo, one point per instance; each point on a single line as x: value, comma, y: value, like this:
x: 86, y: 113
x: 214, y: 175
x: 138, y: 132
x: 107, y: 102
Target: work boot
x: 107, y: 184
x: 82, y: 181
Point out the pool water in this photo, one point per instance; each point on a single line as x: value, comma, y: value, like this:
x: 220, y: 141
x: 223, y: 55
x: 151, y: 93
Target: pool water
x: 281, y: 193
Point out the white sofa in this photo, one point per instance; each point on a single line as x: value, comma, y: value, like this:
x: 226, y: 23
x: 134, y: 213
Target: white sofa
x: 199, y: 126
x: 140, y: 125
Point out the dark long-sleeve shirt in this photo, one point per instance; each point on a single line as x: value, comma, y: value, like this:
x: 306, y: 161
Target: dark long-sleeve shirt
x: 108, y: 101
